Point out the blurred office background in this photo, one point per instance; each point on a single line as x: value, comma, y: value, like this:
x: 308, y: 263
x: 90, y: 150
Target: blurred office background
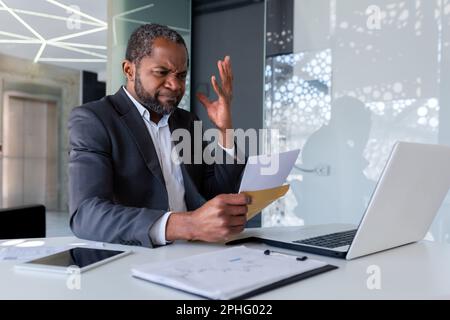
x: 342, y: 80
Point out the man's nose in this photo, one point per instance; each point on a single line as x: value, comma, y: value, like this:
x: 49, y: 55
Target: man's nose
x: 173, y: 83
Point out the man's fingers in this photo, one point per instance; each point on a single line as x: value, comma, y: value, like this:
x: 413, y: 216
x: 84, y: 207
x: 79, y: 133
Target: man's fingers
x: 230, y: 72
x: 227, y: 80
x: 228, y: 69
x: 222, y: 72
x: 239, y: 199
x: 236, y: 210
x: 203, y: 99
x: 237, y: 221
x: 225, y: 66
x: 216, y: 87
x: 236, y: 230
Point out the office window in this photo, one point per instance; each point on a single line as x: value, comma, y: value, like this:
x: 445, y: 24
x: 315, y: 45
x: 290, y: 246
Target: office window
x: 343, y: 81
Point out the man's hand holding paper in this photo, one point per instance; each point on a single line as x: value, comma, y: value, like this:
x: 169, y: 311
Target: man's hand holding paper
x: 264, y: 177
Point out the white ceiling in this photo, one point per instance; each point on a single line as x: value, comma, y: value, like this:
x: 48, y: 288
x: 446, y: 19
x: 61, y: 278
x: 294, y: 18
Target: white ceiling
x: 68, y: 33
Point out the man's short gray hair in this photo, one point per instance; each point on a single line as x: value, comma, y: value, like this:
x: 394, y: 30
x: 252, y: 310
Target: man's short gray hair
x: 140, y: 43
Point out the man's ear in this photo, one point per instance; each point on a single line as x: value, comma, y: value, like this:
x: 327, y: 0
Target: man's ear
x: 128, y: 70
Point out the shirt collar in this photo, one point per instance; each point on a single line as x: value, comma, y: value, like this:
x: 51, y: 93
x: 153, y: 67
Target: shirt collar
x: 145, y: 113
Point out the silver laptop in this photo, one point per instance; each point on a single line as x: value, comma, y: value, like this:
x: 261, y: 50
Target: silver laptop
x: 410, y: 191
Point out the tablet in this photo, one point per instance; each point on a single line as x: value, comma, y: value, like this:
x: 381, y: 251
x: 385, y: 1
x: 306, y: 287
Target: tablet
x: 78, y: 259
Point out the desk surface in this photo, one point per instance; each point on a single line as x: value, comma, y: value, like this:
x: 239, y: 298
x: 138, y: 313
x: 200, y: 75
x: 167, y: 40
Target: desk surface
x: 416, y: 271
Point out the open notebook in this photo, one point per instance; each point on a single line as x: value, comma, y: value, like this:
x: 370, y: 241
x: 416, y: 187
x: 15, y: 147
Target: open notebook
x: 234, y: 273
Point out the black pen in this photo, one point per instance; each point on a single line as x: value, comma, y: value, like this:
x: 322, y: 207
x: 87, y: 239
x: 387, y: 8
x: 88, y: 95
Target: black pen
x: 298, y: 258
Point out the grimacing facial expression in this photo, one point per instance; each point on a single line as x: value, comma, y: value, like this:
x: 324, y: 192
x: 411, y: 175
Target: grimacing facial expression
x: 160, y: 79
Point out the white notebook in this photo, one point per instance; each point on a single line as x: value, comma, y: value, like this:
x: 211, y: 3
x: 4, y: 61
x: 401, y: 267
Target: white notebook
x: 234, y: 273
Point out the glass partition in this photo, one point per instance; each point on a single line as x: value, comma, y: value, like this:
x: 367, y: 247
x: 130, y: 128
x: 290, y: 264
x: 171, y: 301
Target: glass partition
x: 344, y: 80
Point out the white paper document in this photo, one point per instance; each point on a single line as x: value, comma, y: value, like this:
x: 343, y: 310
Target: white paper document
x: 267, y: 171
x: 226, y: 274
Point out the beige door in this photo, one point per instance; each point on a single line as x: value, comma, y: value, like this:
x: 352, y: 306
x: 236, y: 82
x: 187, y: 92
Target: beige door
x: 30, y: 140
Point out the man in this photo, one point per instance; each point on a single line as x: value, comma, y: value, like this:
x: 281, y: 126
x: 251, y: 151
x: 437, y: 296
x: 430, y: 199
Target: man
x: 123, y: 185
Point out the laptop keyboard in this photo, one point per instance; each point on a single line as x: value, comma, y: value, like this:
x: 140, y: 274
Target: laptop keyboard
x: 332, y: 240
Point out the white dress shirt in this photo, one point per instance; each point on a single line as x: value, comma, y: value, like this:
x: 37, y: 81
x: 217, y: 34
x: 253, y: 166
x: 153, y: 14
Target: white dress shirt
x: 173, y: 176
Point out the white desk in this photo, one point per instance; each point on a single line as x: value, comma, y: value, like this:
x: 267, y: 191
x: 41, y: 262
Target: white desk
x: 416, y: 271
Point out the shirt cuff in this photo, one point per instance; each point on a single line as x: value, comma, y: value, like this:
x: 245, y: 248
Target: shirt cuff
x: 229, y: 151
x: 158, y: 230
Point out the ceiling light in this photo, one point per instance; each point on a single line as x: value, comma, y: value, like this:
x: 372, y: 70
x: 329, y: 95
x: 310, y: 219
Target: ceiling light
x: 14, y: 35
x: 20, y: 41
x: 26, y: 25
x: 21, y: 21
x: 50, y: 16
x: 70, y: 60
x: 60, y: 45
x: 56, y: 3
x: 83, y: 45
x: 38, y: 55
x: 79, y: 34
x: 36, y: 38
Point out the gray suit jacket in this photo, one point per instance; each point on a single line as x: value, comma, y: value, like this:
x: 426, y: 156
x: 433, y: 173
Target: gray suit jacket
x: 116, y: 186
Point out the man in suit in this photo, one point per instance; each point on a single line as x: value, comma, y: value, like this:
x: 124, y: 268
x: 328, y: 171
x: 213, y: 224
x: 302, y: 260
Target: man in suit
x: 124, y: 187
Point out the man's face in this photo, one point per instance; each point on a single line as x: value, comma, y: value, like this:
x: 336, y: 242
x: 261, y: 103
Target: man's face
x: 160, y: 79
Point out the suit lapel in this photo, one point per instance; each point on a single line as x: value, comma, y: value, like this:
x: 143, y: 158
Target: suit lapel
x: 133, y: 121
x: 131, y: 118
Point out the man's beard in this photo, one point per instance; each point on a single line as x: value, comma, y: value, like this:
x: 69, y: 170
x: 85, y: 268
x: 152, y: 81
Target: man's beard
x: 151, y: 102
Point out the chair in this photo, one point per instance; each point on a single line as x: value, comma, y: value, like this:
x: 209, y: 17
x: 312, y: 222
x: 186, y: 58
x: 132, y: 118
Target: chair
x: 22, y: 222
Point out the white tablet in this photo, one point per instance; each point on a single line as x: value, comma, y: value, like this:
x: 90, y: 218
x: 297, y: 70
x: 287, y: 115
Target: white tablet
x: 78, y: 259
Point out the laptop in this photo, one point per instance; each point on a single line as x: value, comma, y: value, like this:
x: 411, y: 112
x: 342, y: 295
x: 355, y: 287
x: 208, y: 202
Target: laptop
x: 409, y: 193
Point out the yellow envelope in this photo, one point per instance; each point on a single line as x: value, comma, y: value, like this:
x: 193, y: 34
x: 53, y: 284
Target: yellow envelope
x: 262, y: 198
